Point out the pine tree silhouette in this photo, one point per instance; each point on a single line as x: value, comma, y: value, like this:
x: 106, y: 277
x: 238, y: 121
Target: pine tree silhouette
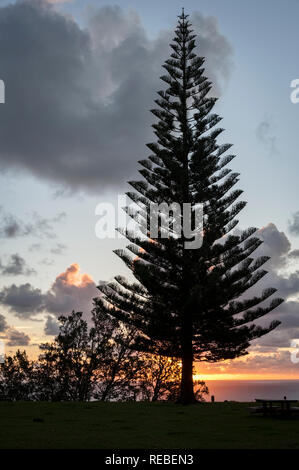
x: 189, y: 303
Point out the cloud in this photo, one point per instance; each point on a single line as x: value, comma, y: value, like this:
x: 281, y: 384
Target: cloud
x: 24, y: 300
x: 215, y: 47
x: 264, y: 134
x: 15, y: 266
x: 35, y: 247
x: 3, y: 324
x: 288, y: 285
x: 78, y: 100
x: 51, y: 326
x: 15, y: 337
x: 12, y: 336
x: 10, y: 227
x: 294, y: 224
x: 59, y: 1
x: 294, y: 254
x: 275, y: 244
x: 58, y: 249
x: 71, y: 290
x: 287, y: 313
x: 260, y: 362
x: 38, y: 226
x: 47, y: 262
x: 280, y: 276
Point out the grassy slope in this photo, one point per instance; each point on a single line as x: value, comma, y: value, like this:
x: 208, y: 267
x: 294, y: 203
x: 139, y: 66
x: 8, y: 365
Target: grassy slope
x: 141, y: 425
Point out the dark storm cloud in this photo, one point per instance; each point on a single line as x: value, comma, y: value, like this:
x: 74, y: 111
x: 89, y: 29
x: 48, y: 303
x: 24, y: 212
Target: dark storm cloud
x: 288, y: 285
x: 10, y: 227
x: 294, y: 224
x: 289, y: 315
x: 23, y: 300
x: 77, y: 101
x: 16, y: 338
x: 12, y: 336
x: 278, y: 247
x: 16, y: 265
x: 38, y: 226
x: 51, y: 326
x: 71, y: 290
x: 275, y: 244
x: 280, y: 276
x: 294, y: 254
x: 3, y: 324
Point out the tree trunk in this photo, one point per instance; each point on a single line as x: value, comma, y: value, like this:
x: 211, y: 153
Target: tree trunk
x: 187, y: 396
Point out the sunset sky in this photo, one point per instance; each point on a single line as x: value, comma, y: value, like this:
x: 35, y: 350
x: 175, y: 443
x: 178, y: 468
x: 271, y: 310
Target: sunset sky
x: 80, y: 79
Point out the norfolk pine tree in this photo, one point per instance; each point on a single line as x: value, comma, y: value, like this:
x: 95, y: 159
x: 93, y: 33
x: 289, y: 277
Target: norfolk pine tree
x: 189, y: 303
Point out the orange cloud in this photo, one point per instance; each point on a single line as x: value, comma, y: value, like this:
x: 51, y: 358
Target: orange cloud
x: 71, y: 290
x: 73, y: 277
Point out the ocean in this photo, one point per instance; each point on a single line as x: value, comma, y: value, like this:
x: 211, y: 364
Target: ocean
x: 248, y: 390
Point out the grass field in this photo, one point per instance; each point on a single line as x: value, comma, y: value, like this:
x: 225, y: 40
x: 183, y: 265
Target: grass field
x: 141, y: 426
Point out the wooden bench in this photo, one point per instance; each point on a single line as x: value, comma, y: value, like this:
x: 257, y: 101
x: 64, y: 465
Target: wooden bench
x: 284, y: 409
x: 256, y: 409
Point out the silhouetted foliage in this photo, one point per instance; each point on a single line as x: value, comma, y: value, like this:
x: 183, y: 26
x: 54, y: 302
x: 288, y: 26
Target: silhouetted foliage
x: 188, y: 303
x: 90, y: 361
x: 160, y: 380
x: 67, y: 365
x: 17, y: 378
x: 84, y: 363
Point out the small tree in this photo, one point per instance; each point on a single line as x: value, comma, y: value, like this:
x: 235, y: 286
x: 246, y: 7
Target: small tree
x: 67, y: 367
x: 201, y: 390
x: 85, y: 362
x: 159, y: 379
x: 189, y: 303
x: 16, y: 378
x: 116, y: 377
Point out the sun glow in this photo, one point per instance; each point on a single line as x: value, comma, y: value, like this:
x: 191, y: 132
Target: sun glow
x: 248, y: 376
